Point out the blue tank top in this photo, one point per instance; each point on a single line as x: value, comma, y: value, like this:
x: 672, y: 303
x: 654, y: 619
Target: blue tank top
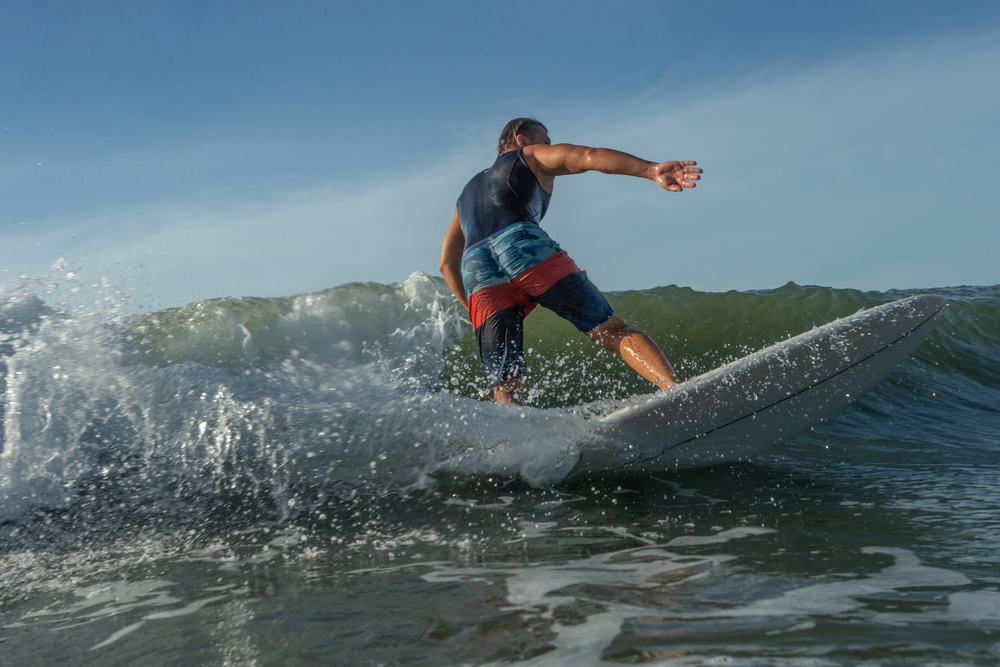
x: 506, y: 193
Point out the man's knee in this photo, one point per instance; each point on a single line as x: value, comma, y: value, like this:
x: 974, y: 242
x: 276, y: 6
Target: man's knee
x: 612, y: 330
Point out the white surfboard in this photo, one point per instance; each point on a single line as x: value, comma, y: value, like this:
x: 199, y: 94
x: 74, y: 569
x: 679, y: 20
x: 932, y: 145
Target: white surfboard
x: 757, y: 402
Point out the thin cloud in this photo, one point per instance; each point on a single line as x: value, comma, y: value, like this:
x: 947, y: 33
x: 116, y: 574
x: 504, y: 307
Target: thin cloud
x: 867, y: 172
x: 870, y: 172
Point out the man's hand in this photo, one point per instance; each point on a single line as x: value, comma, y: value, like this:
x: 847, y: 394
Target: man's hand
x: 675, y: 176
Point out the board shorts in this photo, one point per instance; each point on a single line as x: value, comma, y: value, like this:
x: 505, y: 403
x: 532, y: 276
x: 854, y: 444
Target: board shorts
x: 506, y: 275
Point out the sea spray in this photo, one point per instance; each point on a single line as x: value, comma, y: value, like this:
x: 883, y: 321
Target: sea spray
x: 232, y: 404
x: 322, y: 477
x: 257, y: 407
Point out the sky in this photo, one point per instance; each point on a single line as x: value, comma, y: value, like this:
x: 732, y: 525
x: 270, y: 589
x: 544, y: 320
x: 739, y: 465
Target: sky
x: 190, y: 150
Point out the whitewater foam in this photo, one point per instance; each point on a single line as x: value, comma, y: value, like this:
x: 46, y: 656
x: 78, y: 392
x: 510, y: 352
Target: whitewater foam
x: 276, y: 401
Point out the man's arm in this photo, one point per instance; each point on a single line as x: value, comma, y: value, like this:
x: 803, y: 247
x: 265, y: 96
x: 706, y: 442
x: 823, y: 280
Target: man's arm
x: 547, y: 162
x: 451, y: 259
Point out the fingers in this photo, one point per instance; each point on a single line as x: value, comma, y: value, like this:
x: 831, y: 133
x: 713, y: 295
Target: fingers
x: 675, y: 176
x: 688, y: 180
x: 676, y: 186
x: 690, y: 175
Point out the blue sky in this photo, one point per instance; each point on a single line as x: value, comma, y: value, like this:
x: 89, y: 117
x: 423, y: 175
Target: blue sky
x: 187, y: 150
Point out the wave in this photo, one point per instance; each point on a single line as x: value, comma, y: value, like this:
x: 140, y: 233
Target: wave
x: 233, y: 409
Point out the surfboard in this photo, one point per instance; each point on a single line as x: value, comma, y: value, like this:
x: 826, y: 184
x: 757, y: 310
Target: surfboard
x: 762, y: 400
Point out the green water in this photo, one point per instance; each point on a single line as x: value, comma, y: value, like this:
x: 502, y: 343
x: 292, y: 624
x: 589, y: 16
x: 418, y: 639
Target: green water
x: 209, y: 490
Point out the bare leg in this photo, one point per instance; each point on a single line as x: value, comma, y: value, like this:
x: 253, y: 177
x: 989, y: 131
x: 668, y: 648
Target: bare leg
x: 511, y: 391
x: 637, y: 349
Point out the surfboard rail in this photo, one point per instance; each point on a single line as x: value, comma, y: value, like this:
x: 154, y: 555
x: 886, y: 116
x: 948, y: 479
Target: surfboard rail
x: 755, y: 403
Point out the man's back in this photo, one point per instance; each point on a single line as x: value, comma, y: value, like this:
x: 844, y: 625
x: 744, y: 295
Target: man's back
x: 506, y: 193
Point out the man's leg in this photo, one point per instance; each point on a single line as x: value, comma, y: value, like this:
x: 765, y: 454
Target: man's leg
x: 578, y: 300
x: 637, y: 349
x: 501, y: 349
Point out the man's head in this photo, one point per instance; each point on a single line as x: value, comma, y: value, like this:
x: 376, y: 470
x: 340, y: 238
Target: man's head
x: 522, y: 132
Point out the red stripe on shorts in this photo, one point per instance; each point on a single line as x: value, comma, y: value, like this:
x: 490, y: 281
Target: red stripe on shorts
x: 485, y: 303
x: 539, y: 278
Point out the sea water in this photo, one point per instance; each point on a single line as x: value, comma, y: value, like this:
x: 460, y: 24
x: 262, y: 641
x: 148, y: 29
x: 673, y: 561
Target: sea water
x: 320, y: 479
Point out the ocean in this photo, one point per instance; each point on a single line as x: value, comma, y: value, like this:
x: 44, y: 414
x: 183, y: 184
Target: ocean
x: 320, y: 479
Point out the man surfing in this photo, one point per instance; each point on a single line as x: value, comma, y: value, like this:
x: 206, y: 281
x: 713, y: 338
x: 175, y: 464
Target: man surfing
x: 500, y: 264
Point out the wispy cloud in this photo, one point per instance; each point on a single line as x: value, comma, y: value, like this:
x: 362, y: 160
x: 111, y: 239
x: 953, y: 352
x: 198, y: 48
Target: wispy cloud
x: 382, y: 228
x: 872, y: 171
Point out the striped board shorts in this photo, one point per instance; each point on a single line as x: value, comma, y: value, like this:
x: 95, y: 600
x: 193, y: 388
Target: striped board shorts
x: 506, y: 275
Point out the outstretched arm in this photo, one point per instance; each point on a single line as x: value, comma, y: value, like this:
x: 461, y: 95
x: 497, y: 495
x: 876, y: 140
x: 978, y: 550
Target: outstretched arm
x: 451, y: 259
x: 547, y: 162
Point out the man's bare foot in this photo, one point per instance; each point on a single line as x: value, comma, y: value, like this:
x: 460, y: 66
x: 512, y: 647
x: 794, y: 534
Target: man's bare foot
x: 513, y: 391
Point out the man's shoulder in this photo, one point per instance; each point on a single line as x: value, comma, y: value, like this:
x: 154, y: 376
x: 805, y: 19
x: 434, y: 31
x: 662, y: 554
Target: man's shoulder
x: 477, y: 177
x: 481, y: 177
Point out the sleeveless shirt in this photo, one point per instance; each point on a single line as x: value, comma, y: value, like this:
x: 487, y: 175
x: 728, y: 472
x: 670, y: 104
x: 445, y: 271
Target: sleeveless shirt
x: 502, y: 195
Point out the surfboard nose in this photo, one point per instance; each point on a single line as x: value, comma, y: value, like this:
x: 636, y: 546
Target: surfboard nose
x: 935, y: 301
x: 924, y: 306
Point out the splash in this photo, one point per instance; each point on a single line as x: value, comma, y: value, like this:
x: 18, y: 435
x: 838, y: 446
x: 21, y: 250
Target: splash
x: 238, y: 409
x: 270, y: 404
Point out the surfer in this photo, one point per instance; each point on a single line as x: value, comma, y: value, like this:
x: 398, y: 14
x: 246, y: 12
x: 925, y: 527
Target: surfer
x: 500, y: 264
